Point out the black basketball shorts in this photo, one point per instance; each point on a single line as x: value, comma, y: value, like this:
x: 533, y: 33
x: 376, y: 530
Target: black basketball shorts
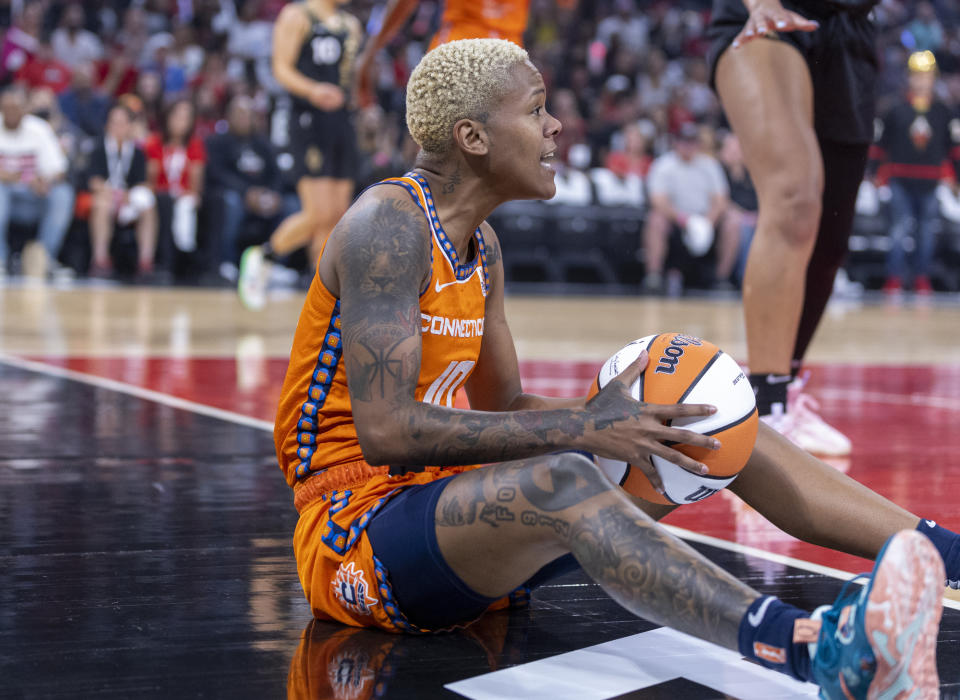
x: 841, y: 56
x: 323, y: 144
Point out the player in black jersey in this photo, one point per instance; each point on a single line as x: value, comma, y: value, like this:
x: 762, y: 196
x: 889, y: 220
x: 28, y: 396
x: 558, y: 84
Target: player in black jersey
x: 796, y: 81
x: 315, y: 44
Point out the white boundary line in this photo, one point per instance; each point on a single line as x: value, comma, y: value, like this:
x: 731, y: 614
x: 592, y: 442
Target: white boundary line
x: 738, y: 548
x: 139, y: 392
x: 240, y: 419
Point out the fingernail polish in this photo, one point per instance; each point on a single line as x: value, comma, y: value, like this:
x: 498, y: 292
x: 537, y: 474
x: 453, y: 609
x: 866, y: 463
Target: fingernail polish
x: 703, y: 469
x: 781, y: 24
x: 716, y: 444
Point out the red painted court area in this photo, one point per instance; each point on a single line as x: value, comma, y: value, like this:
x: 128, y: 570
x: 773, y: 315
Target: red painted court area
x: 904, y: 423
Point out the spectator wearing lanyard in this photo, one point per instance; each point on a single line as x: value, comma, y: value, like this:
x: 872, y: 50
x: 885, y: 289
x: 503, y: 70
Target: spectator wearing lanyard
x: 176, y: 160
x: 117, y: 177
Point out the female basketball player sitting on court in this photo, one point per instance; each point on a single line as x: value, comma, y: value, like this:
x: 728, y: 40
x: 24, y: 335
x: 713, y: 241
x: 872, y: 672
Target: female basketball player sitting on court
x: 400, y: 529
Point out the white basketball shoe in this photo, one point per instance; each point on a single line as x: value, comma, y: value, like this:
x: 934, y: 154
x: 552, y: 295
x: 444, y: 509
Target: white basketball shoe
x: 802, y: 425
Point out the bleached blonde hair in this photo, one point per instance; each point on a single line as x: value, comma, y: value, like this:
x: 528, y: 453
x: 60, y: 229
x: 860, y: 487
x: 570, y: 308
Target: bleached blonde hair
x: 458, y: 80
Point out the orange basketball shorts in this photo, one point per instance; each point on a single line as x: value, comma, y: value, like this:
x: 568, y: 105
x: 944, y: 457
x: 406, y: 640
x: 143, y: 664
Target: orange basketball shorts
x: 342, y: 578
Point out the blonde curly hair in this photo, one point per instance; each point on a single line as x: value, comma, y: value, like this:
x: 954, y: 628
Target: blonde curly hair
x: 455, y: 81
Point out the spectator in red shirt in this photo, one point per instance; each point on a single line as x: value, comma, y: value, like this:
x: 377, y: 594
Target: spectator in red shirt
x: 631, y: 158
x: 117, y: 75
x: 44, y: 70
x: 21, y: 41
x: 175, y: 168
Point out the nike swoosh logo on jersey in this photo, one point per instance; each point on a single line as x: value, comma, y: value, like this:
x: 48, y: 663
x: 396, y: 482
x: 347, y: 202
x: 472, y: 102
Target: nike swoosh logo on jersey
x: 755, y: 618
x: 440, y: 287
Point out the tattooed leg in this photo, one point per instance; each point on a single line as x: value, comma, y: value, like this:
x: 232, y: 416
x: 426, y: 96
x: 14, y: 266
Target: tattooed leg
x: 498, y: 525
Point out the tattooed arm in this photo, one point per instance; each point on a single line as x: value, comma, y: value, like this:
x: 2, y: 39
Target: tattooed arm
x: 380, y: 263
x: 495, y: 382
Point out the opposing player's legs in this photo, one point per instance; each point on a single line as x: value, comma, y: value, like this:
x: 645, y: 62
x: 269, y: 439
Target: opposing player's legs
x: 843, y: 172
x: 323, y: 200
x: 336, y: 195
x: 814, y: 502
x: 298, y: 229
x: 767, y: 94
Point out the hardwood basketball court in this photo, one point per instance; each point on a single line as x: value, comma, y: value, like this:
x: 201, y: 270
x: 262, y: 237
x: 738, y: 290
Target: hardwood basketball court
x: 146, y: 529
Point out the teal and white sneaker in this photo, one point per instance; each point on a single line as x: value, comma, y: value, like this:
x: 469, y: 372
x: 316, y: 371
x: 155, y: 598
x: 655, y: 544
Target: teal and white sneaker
x: 253, y: 278
x: 880, y: 641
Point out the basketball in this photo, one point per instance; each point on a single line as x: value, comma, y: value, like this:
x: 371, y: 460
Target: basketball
x: 684, y: 369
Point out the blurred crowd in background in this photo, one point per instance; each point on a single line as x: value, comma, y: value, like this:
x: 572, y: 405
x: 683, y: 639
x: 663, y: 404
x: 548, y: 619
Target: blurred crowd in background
x: 188, y: 84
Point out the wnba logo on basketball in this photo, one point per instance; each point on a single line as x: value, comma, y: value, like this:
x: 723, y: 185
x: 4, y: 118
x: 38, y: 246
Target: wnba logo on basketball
x: 700, y: 494
x: 351, y: 589
x: 667, y: 363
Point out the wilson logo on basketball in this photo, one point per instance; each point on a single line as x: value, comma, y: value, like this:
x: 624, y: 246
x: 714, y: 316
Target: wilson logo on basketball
x: 775, y: 655
x: 667, y: 364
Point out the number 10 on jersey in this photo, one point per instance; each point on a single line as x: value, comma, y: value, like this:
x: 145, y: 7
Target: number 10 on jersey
x: 444, y: 387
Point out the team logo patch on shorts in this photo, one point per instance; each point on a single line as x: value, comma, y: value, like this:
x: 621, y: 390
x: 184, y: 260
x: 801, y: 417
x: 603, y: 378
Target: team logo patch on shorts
x: 351, y: 588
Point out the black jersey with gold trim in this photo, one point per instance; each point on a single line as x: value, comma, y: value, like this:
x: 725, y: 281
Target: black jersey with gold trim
x: 329, y: 50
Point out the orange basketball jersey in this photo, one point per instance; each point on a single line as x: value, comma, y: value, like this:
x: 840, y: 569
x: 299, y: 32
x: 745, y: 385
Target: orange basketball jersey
x: 314, y: 431
x: 482, y: 19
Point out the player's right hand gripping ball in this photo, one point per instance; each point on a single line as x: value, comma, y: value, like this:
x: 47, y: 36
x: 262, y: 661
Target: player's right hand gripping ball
x: 684, y: 369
